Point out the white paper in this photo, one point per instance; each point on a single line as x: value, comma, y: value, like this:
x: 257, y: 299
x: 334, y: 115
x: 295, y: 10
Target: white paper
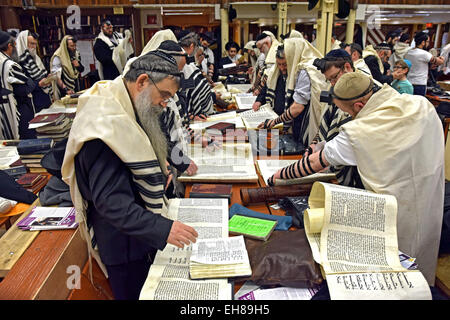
x: 220, y: 251
x: 8, y: 155
x: 281, y: 293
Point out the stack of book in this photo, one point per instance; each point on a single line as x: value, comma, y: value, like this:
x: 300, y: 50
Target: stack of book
x: 31, y: 152
x: 33, y: 182
x: 55, y: 126
x: 49, y: 218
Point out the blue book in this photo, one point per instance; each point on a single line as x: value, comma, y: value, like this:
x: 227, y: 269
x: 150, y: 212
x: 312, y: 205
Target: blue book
x: 15, y: 171
x: 30, y: 146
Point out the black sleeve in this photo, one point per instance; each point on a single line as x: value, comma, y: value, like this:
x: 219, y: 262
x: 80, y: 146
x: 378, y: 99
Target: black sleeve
x: 262, y: 95
x: 108, y: 182
x: 102, y: 52
x: 80, y: 68
x: 372, y: 63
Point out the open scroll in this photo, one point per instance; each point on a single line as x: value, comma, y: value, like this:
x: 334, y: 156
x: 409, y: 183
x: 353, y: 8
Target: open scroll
x: 353, y: 235
x: 269, y: 167
x: 168, y: 278
x: 232, y: 162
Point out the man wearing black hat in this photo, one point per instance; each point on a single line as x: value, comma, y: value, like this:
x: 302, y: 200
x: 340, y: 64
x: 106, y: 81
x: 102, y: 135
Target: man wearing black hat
x: 233, y: 55
x: 377, y: 63
x: 104, y: 45
x: 397, y: 143
x: 420, y: 59
x: 18, y: 108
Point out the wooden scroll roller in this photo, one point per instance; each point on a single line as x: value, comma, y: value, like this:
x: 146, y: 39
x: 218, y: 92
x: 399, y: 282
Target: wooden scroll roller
x: 268, y: 194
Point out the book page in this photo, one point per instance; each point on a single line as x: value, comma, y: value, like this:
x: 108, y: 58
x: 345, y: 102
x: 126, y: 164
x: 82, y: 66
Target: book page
x: 220, y: 251
x: 253, y: 118
x: 245, y: 100
x: 8, y: 155
x: 239, y: 88
x: 382, y: 286
x: 282, y: 293
x: 353, y: 231
x: 168, y: 277
x: 268, y: 168
x: 232, y: 162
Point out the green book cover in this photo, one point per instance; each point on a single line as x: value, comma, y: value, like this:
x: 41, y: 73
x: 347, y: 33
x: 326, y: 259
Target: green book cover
x: 251, y: 227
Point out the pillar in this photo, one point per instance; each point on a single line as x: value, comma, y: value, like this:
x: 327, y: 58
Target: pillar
x: 325, y: 26
x: 237, y: 32
x: 224, y: 29
x: 245, y: 31
x: 282, y: 19
x: 350, y: 32
x: 437, y: 38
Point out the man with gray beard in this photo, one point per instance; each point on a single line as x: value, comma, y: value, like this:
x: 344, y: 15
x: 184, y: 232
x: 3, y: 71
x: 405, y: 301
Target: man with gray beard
x: 115, y: 165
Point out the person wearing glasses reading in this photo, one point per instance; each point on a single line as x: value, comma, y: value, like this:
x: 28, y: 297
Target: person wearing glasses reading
x: 116, y: 167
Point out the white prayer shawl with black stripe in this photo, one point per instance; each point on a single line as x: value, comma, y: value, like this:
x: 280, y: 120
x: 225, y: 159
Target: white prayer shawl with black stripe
x: 10, y: 73
x: 31, y: 64
x: 123, y: 51
x: 112, y: 43
x: 198, y: 99
x: 173, y: 121
x: 271, y: 55
x: 300, y: 55
x: 362, y: 66
x: 106, y: 112
x: 398, y: 144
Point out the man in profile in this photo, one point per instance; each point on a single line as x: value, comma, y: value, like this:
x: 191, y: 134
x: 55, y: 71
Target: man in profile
x: 115, y: 165
x: 104, y: 45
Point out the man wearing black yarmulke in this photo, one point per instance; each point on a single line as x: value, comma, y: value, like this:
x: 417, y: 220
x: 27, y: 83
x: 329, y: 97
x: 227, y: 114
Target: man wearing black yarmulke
x: 376, y: 61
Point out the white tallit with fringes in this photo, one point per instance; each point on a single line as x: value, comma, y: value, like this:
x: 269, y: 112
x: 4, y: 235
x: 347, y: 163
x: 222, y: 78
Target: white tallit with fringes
x: 398, y: 144
x: 300, y: 55
x: 122, y: 51
x: 152, y: 45
x: 112, y: 46
x: 271, y: 55
x: 106, y: 112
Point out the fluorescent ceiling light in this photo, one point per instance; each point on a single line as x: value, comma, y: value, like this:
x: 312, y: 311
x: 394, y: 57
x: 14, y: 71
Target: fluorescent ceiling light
x: 183, y: 13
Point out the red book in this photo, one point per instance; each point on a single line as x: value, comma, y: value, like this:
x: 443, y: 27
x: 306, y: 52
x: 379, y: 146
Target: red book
x: 48, y: 118
x: 28, y: 179
x: 221, y: 127
x: 205, y: 190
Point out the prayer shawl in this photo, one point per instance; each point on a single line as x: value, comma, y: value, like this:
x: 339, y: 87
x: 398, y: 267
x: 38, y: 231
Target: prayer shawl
x: 112, y: 43
x: 252, y: 59
x: 32, y: 65
x: 123, y: 51
x: 271, y: 55
x: 331, y: 120
x: 152, y: 45
x: 370, y: 51
x: 300, y: 55
x: 335, y: 45
x: 175, y: 124
x: 398, y: 143
x: 295, y: 34
x: 69, y: 73
x: 399, y: 52
x: 198, y: 99
x: 11, y: 73
x: 106, y: 112
x: 362, y: 66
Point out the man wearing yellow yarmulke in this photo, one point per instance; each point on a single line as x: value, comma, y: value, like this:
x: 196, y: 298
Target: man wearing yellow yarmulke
x: 396, y: 141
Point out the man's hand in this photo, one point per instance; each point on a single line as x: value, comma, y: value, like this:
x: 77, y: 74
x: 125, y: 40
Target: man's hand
x: 181, y: 234
x: 192, y: 169
x: 169, y: 180
x: 256, y: 106
x: 266, y: 124
x: 200, y: 117
x: 42, y: 83
x: 75, y: 63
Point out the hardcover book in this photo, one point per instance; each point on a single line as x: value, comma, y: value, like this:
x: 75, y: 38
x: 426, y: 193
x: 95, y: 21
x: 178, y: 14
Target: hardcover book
x: 221, y: 127
x: 251, y: 227
x: 28, y: 179
x: 29, y: 146
x: 205, y: 190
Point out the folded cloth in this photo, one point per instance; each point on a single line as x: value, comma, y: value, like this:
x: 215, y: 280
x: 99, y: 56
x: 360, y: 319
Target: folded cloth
x: 11, y: 190
x: 56, y: 192
x: 284, y: 222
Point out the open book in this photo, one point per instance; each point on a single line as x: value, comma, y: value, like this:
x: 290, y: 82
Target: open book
x: 268, y: 168
x: 353, y: 236
x: 252, y: 118
x: 232, y: 162
x: 168, y: 277
x: 219, y: 258
x: 245, y: 100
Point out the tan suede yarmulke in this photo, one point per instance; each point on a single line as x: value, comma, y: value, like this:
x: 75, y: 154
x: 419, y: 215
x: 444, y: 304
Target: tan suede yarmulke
x: 351, y: 85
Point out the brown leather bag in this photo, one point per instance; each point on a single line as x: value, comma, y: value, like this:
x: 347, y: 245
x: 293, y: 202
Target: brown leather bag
x: 284, y: 259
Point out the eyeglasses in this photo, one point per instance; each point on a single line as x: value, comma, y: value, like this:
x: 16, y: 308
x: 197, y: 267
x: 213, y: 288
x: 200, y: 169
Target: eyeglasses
x: 165, y: 95
x: 399, y: 67
x: 335, y: 77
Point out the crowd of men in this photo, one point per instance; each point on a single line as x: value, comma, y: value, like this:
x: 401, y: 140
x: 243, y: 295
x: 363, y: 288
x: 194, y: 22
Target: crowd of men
x: 359, y: 111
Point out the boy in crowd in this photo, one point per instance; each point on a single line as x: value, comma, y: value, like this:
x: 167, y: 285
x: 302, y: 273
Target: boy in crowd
x: 400, y: 83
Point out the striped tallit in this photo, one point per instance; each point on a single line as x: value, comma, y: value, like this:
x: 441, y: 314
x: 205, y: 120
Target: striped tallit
x: 10, y: 73
x: 106, y: 112
x: 69, y: 73
x: 198, y: 99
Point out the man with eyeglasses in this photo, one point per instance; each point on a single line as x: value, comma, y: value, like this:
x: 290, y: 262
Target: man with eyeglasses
x: 420, y: 60
x: 115, y: 165
x: 17, y: 108
x: 104, y: 45
x: 397, y: 143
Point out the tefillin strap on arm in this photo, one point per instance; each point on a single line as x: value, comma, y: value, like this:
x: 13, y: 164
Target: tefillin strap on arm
x: 298, y: 169
x: 285, y: 117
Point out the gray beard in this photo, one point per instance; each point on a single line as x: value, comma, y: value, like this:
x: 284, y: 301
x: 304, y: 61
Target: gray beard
x: 33, y: 53
x: 148, y: 115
